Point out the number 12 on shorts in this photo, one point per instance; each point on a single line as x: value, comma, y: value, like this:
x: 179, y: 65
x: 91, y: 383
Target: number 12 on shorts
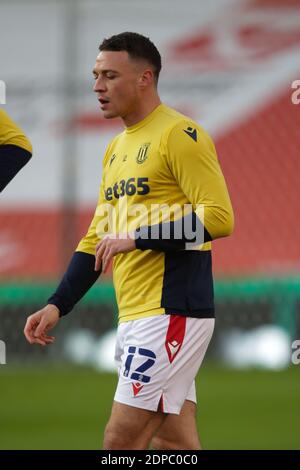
x: 138, y: 374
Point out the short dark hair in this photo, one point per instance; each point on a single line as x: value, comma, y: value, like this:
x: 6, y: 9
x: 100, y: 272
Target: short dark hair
x: 137, y: 46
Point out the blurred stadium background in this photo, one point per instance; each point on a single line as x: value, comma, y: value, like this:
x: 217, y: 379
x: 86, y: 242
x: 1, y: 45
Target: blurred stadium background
x: 230, y: 65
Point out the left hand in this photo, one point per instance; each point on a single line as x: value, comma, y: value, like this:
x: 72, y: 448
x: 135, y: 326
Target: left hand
x: 110, y: 246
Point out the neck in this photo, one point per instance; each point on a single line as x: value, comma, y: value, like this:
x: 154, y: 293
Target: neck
x: 139, y: 113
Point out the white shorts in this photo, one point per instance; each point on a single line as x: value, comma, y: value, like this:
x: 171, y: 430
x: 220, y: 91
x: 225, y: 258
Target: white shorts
x: 158, y: 358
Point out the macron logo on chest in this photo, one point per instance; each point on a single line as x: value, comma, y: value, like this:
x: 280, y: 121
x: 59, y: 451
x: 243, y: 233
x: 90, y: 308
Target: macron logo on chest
x: 192, y: 132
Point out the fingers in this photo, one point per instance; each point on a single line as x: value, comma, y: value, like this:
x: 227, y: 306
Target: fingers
x: 41, y: 328
x: 38, y: 341
x: 29, y: 329
x: 47, y: 339
x: 99, y: 252
x: 109, y: 247
x: 105, y: 251
x: 43, y: 340
x: 106, y: 258
x: 35, y: 331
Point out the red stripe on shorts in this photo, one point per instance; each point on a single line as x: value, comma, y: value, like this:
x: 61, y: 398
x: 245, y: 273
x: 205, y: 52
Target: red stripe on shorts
x: 161, y: 404
x: 175, y: 335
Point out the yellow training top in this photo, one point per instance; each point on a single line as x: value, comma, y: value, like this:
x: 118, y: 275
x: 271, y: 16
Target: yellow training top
x: 165, y: 159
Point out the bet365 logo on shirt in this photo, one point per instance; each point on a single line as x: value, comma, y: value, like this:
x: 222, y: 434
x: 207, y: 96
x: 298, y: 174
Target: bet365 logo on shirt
x: 129, y: 188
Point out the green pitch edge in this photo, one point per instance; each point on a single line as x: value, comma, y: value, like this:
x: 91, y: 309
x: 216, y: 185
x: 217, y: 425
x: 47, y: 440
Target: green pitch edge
x: 34, y: 292
x: 282, y: 293
x: 248, y: 289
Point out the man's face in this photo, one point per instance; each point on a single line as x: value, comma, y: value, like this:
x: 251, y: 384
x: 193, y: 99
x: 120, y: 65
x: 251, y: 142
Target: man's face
x: 117, y: 79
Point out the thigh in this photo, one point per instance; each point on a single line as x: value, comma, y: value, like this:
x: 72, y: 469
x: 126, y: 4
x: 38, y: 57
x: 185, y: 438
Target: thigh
x: 130, y: 427
x: 178, y: 431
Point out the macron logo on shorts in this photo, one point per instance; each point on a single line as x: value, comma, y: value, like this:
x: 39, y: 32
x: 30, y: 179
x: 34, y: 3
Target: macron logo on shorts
x: 173, y: 348
x: 175, y: 335
x: 137, y: 387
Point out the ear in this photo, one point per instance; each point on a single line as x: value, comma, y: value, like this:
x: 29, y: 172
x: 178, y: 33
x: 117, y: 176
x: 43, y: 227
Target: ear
x: 146, y: 78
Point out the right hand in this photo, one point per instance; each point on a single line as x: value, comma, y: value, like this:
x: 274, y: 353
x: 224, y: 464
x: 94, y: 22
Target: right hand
x: 39, y: 323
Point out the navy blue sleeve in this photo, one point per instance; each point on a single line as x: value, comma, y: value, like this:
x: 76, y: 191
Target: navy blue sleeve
x: 12, y: 159
x: 172, y: 236
x: 77, y: 280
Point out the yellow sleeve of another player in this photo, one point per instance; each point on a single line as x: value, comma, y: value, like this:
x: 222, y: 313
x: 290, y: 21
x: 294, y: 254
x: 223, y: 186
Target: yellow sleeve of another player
x: 192, y: 158
x: 11, y: 134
